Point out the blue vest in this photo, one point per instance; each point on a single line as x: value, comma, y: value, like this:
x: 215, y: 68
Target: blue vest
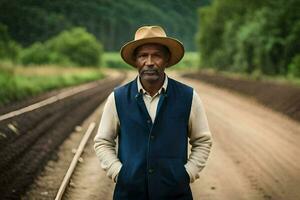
x: 153, y: 154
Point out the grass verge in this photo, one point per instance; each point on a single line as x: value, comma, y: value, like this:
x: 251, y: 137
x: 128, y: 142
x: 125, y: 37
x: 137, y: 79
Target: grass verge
x: 18, y: 82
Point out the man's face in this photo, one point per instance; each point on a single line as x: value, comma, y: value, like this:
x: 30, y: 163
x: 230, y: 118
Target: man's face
x: 151, y: 61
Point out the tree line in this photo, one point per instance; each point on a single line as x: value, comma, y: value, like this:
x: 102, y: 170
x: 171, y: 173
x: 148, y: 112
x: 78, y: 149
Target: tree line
x: 112, y: 22
x: 251, y: 36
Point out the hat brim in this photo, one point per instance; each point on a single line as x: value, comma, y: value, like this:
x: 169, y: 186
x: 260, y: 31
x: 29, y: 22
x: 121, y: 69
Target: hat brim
x: 175, y: 47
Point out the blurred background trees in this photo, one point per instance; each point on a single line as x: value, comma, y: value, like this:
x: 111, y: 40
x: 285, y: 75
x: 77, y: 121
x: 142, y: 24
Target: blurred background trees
x: 251, y: 36
x: 244, y: 36
x: 112, y: 22
x: 9, y: 49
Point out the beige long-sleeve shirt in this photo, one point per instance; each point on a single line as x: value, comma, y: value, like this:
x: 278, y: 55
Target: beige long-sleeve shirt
x: 198, y: 133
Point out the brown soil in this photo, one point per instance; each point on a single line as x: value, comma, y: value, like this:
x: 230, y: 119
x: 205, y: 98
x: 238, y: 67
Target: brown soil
x: 88, y: 181
x: 254, y: 155
x: 280, y: 97
x: 255, y: 149
x: 26, y: 148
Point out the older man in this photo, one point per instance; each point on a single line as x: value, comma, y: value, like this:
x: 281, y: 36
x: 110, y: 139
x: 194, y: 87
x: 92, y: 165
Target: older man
x: 153, y: 116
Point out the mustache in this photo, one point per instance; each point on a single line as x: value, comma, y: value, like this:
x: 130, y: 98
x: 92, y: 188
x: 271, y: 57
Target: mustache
x: 149, y: 70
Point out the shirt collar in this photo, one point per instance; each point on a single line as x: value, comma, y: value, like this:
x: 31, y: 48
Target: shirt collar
x: 141, y: 89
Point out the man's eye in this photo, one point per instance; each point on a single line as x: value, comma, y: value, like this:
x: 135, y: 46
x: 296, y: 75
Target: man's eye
x: 141, y: 56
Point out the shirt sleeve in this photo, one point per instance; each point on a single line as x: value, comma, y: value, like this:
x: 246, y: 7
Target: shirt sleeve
x: 104, y: 141
x: 200, y: 138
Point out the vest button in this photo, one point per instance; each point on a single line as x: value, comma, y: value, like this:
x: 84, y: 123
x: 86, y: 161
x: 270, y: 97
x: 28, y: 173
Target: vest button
x: 151, y: 171
x: 148, y: 121
x: 152, y: 137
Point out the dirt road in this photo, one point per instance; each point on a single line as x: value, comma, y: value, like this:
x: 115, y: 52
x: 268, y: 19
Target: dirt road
x: 255, y: 154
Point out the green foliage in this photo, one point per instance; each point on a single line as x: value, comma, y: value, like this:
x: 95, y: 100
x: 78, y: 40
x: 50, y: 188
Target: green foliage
x: 249, y: 36
x: 189, y: 61
x: 294, y: 67
x: 79, y: 46
x: 7, y: 84
x: 114, y: 60
x: 16, y: 85
x: 112, y: 22
x: 38, y: 54
x: 9, y: 49
x: 74, y: 47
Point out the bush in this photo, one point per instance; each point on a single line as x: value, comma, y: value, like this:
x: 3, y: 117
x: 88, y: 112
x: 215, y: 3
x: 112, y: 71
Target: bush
x: 79, y: 46
x: 39, y: 54
x: 9, y: 49
x: 294, y: 67
x: 74, y: 47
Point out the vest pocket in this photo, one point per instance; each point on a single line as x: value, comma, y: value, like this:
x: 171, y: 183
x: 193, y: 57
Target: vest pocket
x: 130, y: 182
x: 173, y: 179
x: 173, y: 172
x: 123, y: 175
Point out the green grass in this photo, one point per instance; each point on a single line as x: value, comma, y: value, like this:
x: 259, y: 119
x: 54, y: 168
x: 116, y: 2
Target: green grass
x: 114, y: 60
x: 190, y: 61
x: 19, y: 82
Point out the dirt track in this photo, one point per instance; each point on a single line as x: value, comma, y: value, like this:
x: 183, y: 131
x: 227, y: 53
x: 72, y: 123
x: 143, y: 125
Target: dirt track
x: 255, y: 154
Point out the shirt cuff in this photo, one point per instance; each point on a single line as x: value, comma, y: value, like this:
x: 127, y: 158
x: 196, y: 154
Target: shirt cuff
x: 115, y: 168
x: 192, y: 170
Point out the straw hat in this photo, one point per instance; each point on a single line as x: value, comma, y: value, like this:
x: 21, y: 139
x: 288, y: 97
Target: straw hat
x: 152, y: 34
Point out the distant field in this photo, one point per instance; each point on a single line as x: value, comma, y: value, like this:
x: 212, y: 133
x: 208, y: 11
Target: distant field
x: 190, y: 61
x: 114, y: 60
x: 19, y: 82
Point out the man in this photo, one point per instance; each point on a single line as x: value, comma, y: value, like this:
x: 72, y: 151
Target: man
x: 153, y: 116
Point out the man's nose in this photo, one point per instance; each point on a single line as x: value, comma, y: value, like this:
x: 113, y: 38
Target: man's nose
x: 149, y: 60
